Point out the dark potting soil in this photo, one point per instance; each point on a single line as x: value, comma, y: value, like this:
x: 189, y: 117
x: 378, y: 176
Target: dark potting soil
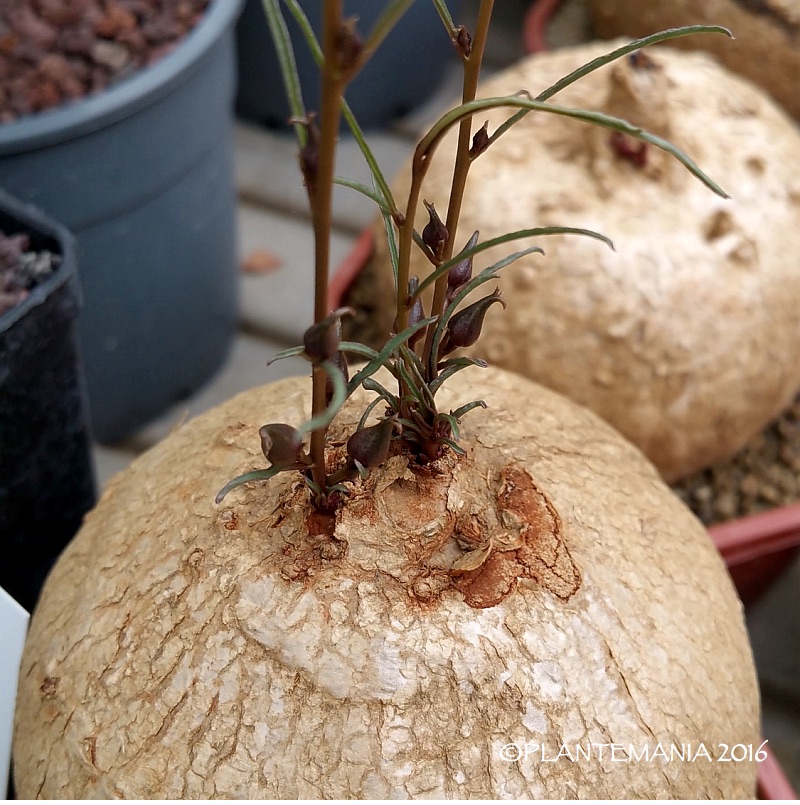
x: 56, y: 51
x: 21, y: 269
x: 764, y: 474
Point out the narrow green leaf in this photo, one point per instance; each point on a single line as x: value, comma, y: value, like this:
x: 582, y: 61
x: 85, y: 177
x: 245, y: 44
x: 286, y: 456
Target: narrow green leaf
x: 391, y: 241
x: 462, y: 363
x: 409, y: 425
x: 535, y: 232
x: 357, y: 349
x: 486, y: 275
x: 638, y: 44
x: 369, y: 409
x: 288, y: 66
x: 431, y: 140
x: 371, y: 384
x: 253, y: 475
x: 364, y: 190
x: 465, y: 409
x: 444, y: 15
x: 456, y: 448
x: 383, y: 27
x: 323, y: 419
x: 312, y: 485
x: 447, y: 369
x: 286, y: 353
x: 372, y: 163
x: 383, y: 356
x: 453, y: 423
x: 306, y: 29
x: 607, y: 58
x: 410, y: 382
x: 411, y: 359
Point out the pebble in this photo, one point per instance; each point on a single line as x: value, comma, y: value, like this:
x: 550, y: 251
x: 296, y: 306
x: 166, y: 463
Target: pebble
x: 764, y: 474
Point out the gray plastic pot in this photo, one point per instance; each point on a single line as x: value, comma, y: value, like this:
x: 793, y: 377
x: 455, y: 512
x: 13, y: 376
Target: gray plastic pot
x: 142, y: 174
x: 394, y: 81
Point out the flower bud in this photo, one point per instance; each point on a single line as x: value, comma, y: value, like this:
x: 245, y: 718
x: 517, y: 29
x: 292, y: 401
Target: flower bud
x: 640, y: 60
x: 466, y: 325
x: 309, y: 153
x: 349, y: 46
x: 281, y: 444
x: 370, y: 446
x: 480, y: 141
x: 461, y: 273
x: 463, y: 41
x: 321, y: 340
x: 417, y: 312
x: 634, y: 151
x: 435, y: 233
x: 340, y: 362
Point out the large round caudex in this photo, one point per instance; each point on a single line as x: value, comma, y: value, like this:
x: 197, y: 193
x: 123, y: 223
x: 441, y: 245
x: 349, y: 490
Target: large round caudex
x: 685, y: 338
x: 446, y: 634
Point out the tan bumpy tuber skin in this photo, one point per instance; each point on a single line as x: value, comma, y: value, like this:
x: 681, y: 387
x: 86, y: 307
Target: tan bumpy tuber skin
x: 686, y: 338
x: 544, y: 590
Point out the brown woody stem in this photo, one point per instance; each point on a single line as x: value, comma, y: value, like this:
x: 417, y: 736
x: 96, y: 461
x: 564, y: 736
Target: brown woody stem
x: 330, y: 114
x: 472, y: 71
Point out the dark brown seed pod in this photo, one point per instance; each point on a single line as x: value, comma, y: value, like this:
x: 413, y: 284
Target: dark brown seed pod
x: 349, y: 47
x: 461, y: 273
x: 370, y: 446
x: 281, y: 444
x: 417, y: 312
x: 435, y: 233
x: 340, y: 362
x: 480, y: 141
x: 463, y: 41
x: 309, y: 153
x: 465, y: 326
x: 321, y: 340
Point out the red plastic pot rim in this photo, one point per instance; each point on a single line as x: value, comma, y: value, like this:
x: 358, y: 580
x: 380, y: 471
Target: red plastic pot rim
x: 757, y: 535
x: 534, y: 27
x: 772, y: 782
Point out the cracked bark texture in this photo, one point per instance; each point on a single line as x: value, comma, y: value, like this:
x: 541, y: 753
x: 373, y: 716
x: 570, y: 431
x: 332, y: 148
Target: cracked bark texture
x: 685, y: 338
x: 184, y: 649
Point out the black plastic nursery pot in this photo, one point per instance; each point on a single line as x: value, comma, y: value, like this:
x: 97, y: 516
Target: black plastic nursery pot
x: 394, y: 81
x: 142, y: 174
x: 46, y: 476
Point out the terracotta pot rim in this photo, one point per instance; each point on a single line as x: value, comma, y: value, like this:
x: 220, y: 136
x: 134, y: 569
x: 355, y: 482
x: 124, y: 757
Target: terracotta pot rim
x: 756, y: 535
x: 349, y: 268
x: 534, y: 26
x: 771, y: 781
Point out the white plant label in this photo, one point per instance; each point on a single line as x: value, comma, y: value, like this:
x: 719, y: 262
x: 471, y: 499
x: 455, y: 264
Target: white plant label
x: 13, y: 627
